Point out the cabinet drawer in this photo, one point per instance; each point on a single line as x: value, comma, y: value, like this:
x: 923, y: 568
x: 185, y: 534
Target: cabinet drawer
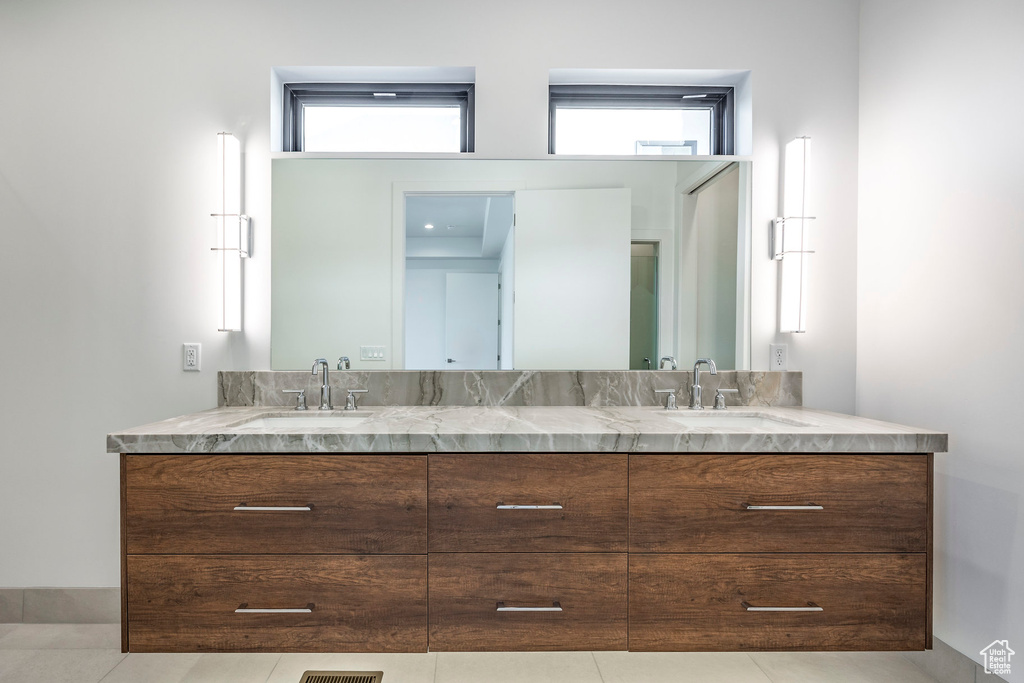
x: 364, y: 603
x: 210, y: 504
x: 847, y: 503
x: 717, y: 602
x: 478, y: 503
x: 547, y: 601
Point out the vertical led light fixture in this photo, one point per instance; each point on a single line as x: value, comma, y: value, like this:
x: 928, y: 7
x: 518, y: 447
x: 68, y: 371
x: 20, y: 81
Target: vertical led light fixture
x: 789, y: 238
x: 233, y: 234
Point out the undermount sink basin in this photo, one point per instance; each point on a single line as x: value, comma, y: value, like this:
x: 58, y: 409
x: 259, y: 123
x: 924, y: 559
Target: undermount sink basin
x: 304, y: 421
x: 700, y: 420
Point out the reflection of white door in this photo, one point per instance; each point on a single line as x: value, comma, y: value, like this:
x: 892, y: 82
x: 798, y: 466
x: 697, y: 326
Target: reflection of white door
x: 572, y: 279
x: 471, y: 321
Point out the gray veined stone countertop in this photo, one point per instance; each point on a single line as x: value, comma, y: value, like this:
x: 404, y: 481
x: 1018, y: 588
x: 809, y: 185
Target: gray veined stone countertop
x: 430, y: 429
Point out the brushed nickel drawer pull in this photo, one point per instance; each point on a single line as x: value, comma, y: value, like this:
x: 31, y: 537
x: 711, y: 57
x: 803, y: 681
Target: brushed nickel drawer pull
x: 809, y: 506
x: 555, y: 607
x: 245, y: 609
x: 273, y: 508
x: 811, y: 607
x: 554, y: 506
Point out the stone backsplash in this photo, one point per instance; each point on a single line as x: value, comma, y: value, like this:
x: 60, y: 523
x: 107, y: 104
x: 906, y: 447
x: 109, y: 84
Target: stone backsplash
x: 509, y: 387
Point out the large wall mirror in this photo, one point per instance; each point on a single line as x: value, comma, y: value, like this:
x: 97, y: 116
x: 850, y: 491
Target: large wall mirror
x: 442, y: 264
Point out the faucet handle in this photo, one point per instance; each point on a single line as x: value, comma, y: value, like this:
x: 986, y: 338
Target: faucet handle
x: 720, y: 398
x: 300, y: 400
x: 670, y: 400
x: 344, y: 363
x: 350, y: 400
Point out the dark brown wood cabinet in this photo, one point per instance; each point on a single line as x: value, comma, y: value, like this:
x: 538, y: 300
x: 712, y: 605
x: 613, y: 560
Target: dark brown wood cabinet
x: 277, y: 603
x: 527, y: 502
x: 276, y: 504
x: 821, y: 601
x: 527, y: 601
x: 780, y: 502
x: 532, y: 551
x: 277, y: 553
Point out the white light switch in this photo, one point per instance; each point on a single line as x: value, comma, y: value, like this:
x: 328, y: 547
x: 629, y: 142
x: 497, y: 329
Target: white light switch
x: 371, y: 353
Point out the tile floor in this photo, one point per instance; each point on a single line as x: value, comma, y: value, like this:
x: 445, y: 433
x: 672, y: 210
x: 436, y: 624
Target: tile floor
x: 89, y: 653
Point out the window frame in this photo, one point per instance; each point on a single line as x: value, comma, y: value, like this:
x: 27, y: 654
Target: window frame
x: 299, y: 95
x: 592, y: 96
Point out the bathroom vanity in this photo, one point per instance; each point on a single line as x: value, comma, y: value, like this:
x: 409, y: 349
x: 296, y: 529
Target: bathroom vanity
x: 459, y: 528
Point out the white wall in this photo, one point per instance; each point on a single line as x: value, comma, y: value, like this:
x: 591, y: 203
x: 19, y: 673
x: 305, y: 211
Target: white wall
x: 106, y: 164
x: 941, y: 287
x: 424, y: 319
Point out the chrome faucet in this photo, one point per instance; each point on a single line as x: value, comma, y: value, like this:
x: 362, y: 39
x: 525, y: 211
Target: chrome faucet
x: 325, y: 390
x: 695, y: 398
x: 344, y: 364
x: 670, y: 359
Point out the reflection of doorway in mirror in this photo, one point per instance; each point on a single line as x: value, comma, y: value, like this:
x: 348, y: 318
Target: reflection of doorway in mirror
x: 643, y: 305
x: 458, y: 248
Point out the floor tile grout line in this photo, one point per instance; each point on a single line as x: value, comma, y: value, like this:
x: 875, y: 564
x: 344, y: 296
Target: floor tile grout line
x: 760, y: 668
x: 434, y: 679
x: 280, y: 656
x: 273, y: 668
x: 597, y: 666
x: 919, y: 667
x: 119, y: 663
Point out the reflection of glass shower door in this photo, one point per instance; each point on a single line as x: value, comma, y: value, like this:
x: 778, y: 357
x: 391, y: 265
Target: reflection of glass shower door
x: 643, y: 306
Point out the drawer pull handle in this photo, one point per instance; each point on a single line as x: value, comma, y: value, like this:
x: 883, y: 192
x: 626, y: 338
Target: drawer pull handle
x: 555, y: 607
x: 273, y: 508
x: 809, y: 506
x: 554, y: 506
x: 245, y: 609
x: 811, y: 607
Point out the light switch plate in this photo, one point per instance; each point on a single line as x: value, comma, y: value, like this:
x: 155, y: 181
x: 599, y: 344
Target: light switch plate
x: 192, y: 357
x: 371, y: 353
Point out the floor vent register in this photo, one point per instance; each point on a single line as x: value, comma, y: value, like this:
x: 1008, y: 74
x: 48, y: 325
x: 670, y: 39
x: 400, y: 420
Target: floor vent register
x: 342, y: 677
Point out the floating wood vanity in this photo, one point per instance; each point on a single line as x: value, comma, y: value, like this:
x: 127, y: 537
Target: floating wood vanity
x: 554, y: 528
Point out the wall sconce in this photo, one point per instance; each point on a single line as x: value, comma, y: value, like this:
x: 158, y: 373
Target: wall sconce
x: 234, y: 236
x: 789, y: 238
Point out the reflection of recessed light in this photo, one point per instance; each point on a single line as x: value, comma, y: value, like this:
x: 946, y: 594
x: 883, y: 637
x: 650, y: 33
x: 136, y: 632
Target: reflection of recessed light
x: 428, y: 226
x: 451, y: 227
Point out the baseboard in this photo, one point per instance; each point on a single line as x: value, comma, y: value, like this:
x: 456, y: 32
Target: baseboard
x: 60, y: 605
x: 948, y: 665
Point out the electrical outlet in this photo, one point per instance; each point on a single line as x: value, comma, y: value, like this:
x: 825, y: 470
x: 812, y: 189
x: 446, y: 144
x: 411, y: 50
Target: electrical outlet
x: 192, y: 357
x: 779, y: 357
x: 371, y: 353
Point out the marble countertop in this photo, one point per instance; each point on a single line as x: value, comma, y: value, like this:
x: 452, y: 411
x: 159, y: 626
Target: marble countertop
x: 429, y: 429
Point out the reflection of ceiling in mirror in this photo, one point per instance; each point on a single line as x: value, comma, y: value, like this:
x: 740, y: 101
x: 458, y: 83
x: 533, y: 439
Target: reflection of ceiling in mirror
x: 466, y: 213
x: 483, y: 217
